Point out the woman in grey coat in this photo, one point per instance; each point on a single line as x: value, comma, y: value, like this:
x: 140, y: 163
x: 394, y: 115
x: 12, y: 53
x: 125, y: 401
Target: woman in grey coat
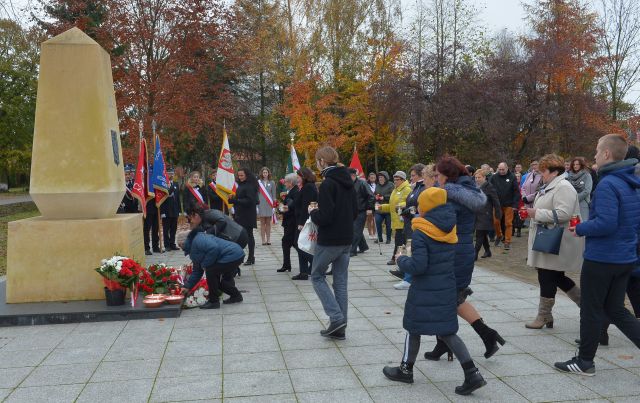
x: 265, y: 208
x: 580, y: 178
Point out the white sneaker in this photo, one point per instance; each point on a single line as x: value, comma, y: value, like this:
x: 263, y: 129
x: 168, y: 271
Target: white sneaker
x: 403, y: 285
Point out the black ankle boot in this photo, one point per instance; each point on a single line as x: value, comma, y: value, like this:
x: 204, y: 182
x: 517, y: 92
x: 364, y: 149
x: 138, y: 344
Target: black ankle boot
x: 440, y: 348
x: 403, y: 373
x: 472, y: 381
x: 489, y: 337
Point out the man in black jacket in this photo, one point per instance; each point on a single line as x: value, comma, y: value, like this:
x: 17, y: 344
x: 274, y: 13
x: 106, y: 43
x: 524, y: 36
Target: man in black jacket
x: 213, y: 199
x: 507, y: 187
x: 334, y: 215
x: 217, y: 223
x: 170, y: 210
x: 289, y: 221
x: 365, y: 200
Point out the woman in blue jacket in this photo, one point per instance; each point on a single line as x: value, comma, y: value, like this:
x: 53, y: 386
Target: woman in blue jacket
x: 220, y: 259
x: 431, y: 303
x: 467, y: 200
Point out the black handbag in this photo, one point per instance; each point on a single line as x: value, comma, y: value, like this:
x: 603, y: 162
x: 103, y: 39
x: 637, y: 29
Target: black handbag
x: 548, y: 239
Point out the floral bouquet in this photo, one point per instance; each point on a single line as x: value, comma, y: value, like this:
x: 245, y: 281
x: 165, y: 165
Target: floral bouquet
x: 159, y: 279
x: 119, y: 272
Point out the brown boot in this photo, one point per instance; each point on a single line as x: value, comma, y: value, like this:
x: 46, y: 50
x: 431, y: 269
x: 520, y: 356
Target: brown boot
x: 574, y: 295
x: 544, y: 314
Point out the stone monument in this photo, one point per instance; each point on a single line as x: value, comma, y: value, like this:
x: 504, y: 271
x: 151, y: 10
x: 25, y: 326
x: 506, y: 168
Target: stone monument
x: 77, y: 180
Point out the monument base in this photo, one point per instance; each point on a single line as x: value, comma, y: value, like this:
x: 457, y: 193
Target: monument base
x: 54, y: 260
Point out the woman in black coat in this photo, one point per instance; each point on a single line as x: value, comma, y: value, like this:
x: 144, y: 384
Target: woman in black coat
x: 244, y: 204
x: 484, y: 217
x: 308, y: 193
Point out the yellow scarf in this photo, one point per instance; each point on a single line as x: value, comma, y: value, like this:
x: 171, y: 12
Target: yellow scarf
x: 433, y: 232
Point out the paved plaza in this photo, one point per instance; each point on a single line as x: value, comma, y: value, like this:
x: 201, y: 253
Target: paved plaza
x: 268, y: 349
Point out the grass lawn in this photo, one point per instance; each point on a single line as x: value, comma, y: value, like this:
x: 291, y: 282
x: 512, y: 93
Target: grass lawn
x: 11, y: 213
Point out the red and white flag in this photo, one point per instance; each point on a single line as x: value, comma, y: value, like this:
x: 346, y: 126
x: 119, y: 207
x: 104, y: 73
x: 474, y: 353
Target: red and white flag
x: 141, y: 183
x: 355, y: 162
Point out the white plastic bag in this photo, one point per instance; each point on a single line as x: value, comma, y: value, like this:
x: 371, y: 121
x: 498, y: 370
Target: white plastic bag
x: 308, y: 237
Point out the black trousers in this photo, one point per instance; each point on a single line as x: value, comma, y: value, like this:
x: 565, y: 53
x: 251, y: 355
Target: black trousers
x: 633, y: 292
x: 151, y: 225
x: 398, y: 240
x: 603, y: 287
x: 169, y: 228
x: 358, y: 236
x: 251, y: 243
x: 482, y: 241
x: 551, y: 280
x: 288, y: 242
x: 220, y: 277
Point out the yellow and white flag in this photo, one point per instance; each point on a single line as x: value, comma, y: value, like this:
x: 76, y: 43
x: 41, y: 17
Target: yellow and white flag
x: 225, y: 180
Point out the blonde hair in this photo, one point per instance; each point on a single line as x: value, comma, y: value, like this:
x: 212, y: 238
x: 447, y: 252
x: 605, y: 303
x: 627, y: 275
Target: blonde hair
x: 429, y: 170
x: 483, y: 172
x: 616, y: 144
x: 328, y: 154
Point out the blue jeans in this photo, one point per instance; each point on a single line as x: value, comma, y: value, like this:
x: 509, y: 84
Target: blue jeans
x: 334, y: 303
x: 380, y: 217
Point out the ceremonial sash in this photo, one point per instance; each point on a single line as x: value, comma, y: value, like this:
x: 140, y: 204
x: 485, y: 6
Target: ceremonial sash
x: 272, y: 203
x: 197, y: 195
x: 266, y: 194
x: 213, y: 187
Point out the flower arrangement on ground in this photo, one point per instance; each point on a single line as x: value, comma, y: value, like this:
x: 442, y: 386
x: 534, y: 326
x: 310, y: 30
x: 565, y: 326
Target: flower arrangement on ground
x: 119, y: 272
x: 159, y: 279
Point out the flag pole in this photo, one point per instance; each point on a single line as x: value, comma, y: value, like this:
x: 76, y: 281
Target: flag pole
x: 160, y: 231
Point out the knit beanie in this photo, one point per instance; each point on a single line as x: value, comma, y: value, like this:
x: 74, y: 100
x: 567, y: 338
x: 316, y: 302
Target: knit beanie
x: 431, y: 198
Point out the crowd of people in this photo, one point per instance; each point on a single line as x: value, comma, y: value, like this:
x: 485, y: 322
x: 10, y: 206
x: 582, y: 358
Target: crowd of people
x: 580, y: 219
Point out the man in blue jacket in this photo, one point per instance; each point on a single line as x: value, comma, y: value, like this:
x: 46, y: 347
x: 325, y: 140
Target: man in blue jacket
x: 219, y: 259
x: 610, y: 252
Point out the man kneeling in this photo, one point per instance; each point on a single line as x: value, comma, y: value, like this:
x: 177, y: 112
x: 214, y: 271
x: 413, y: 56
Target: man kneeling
x: 220, y: 259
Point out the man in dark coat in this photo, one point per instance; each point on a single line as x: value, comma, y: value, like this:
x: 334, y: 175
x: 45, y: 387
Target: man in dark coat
x: 506, y: 185
x: 129, y: 204
x: 170, y: 210
x: 364, y: 197
x: 289, y: 221
x: 484, y: 217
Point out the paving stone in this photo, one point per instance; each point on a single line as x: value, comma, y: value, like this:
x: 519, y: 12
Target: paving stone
x: 625, y: 357
x: 304, y: 342
x: 494, y: 391
x: 193, y: 348
x: 187, y: 388
x: 257, y: 329
x: 33, y: 341
x: 81, y: 355
x: 387, y: 355
x: 28, y: 358
x: 371, y: 375
x: 517, y: 364
x: 357, y: 338
x: 253, y: 362
x: 245, y: 318
x: 417, y: 392
x: 356, y: 395
x: 198, y: 333
x: 549, y: 387
x: 60, y: 374
x: 259, y: 344
x: 316, y: 379
x: 4, y: 393
x: 257, y: 384
x: 293, y: 316
x: 289, y: 398
x: 46, y: 394
x: 543, y: 343
x: 329, y: 357
x: 75, y: 340
x: 126, y: 370
x: 12, y: 377
x: 300, y: 327
x: 187, y: 366
x: 135, y: 351
x: 130, y: 391
x: 612, y: 382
